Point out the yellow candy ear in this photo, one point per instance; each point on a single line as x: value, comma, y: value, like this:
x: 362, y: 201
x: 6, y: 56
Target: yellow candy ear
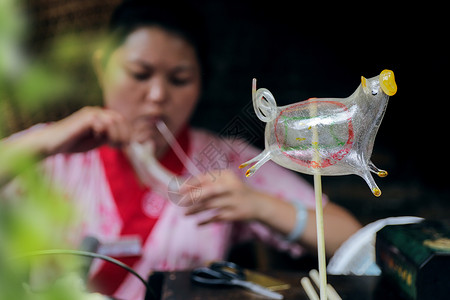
x: 387, y: 82
x: 363, y: 81
x: 364, y: 85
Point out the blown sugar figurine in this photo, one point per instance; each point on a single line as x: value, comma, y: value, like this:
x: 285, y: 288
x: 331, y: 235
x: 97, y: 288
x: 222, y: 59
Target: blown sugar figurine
x: 326, y: 136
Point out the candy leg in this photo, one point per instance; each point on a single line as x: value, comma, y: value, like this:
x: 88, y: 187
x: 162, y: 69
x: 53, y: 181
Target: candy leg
x: 371, y: 183
x: 379, y: 172
x: 251, y: 161
x: 254, y: 159
x: 261, y: 159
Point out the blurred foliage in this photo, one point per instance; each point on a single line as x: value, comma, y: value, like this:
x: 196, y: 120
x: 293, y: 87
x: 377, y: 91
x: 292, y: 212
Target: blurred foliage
x: 36, y: 216
x: 42, y: 83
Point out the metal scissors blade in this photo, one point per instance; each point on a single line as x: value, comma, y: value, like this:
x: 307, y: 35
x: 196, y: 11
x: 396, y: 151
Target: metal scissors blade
x: 256, y: 288
x: 226, y: 273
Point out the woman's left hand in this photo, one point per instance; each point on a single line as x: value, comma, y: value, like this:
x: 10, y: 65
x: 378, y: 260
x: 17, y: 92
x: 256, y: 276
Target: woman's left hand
x: 227, y: 195
x: 230, y: 199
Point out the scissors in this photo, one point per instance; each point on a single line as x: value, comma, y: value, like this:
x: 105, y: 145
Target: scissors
x: 228, y: 273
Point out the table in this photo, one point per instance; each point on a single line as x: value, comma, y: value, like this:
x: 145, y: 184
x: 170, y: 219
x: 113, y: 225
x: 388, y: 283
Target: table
x: 178, y: 286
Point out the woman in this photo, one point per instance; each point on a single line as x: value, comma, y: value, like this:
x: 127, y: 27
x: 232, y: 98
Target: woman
x: 150, y: 71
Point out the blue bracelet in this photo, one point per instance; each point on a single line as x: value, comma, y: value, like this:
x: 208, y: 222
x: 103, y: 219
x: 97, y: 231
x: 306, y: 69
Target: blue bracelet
x: 300, y: 223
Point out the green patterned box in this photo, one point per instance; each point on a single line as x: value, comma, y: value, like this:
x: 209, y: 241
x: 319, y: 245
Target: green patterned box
x: 416, y: 258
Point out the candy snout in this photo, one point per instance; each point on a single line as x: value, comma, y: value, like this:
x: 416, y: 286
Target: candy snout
x: 387, y: 82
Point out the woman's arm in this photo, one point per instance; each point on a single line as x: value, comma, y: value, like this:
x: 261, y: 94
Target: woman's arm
x: 233, y: 200
x: 339, y: 224
x: 85, y: 129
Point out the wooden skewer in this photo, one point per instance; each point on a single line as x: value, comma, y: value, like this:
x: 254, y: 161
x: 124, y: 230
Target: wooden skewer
x: 332, y: 294
x: 309, y: 289
x: 319, y: 209
x: 320, y: 237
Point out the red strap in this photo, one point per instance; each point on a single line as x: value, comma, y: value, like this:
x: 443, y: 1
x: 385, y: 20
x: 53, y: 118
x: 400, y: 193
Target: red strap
x: 128, y: 192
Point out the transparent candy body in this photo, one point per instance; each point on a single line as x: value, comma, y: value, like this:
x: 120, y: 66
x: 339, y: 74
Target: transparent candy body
x: 326, y: 136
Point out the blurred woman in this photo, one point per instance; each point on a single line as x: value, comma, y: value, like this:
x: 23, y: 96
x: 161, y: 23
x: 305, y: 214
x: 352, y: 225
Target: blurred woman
x: 151, y: 70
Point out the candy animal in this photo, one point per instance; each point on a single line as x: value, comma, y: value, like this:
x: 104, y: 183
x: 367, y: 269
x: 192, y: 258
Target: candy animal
x: 327, y: 136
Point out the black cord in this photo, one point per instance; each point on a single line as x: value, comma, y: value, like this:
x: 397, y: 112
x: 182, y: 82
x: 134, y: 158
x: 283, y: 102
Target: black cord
x: 92, y: 255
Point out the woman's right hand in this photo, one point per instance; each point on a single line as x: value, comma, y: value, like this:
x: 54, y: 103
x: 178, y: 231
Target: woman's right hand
x: 88, y: 128
x: 84, y: 130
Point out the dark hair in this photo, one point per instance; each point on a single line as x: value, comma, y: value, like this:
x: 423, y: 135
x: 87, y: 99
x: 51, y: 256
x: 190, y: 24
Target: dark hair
x: 178, y: 17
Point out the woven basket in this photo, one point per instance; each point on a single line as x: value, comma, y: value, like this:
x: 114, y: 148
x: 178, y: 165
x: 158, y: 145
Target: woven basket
x: 50, y: 18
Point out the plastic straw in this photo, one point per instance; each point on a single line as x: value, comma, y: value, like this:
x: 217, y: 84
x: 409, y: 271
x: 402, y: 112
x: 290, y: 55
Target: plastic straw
x: 170, y: 139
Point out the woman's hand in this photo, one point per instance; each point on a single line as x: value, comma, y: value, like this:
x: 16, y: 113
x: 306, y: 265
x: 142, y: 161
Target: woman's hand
x: 84, y: 130
x: 88, y: 128
x: 231, y: 199
x: 226, y: 194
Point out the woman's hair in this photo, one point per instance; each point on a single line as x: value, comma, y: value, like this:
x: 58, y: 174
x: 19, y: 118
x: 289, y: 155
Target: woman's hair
x: 178, y: 17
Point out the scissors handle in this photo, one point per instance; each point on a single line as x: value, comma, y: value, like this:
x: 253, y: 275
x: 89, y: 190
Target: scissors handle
x: 228, y: 269
x: 257, y: 289
x: 208, y: 276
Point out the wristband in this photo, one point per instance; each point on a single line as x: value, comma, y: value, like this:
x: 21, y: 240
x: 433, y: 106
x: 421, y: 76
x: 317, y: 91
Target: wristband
x: 300, y: 221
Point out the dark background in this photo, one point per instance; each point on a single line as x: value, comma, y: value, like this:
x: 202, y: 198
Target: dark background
x: 299, y: 50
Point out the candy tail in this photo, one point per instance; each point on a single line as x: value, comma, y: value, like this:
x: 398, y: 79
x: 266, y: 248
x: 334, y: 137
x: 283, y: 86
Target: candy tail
x: 263, y: 103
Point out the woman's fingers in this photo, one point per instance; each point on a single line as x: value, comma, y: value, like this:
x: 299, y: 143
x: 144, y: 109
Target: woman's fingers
x: 209, y: 204
x: 88, y: 128
x: 228, y: 198
x: 111, y: 126
x: 215, y: 214
x: 223, y: 182
x: 220, y: 216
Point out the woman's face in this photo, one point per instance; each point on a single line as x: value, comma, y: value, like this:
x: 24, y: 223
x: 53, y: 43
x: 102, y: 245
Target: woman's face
x: 154, y: 75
